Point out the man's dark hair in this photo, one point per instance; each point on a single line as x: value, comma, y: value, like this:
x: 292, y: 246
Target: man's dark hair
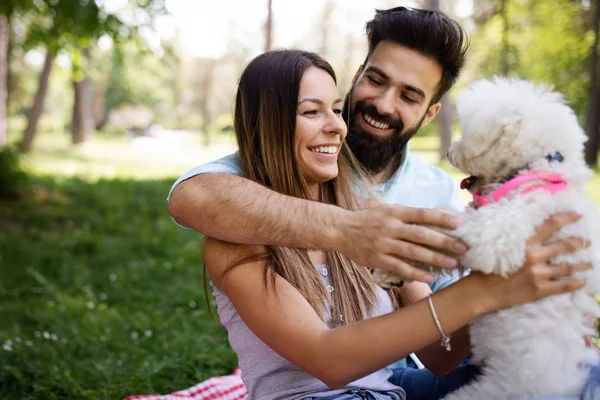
x: 431, y: 33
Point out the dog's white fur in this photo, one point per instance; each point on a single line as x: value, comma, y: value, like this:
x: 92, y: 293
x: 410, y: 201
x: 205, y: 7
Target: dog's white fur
x: 538, y: 349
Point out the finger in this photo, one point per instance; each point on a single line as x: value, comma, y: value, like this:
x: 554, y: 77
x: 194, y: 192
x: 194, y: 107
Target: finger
x: 543, y: 254
x: 432, y: 238
x: 422, y: 254
x: 405, y: 270
x: 427, y: 216
x: 560, y: 286
x: 551, y: 225
x: 561, y: 271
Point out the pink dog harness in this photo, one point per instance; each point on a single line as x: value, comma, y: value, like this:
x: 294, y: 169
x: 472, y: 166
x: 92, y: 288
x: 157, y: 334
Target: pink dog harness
x: 552, y: 183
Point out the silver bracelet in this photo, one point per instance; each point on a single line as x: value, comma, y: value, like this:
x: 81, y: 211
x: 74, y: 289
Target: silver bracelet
x: 445, y: 339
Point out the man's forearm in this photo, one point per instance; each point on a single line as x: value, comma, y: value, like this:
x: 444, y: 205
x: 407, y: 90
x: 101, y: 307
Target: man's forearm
x: 235, y: 209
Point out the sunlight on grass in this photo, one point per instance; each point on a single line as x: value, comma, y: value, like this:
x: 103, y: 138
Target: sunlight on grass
x: 166, y: 155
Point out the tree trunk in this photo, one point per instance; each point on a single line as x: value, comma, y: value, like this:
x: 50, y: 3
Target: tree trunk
x: 325, y: 27
x: 445, y: 115
x: 445, y: 126
x: 206, y: 88
x: 82, y: 121
x: 99, y: 102
x: 269, y: 27
x: 4, y: 32
x: 38, y: 104
x: 593, y: 117
x: 505, y: 45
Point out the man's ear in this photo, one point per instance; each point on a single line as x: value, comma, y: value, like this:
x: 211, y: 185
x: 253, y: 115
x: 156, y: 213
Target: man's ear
x: 432, y: 111
x: 357, y: 74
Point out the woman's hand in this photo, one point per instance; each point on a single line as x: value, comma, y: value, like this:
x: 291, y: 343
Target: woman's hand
x: 537, y: 278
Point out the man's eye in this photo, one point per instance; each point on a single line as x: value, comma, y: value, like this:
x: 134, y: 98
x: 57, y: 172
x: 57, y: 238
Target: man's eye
x: 408, y: 99
x: 375, y: 81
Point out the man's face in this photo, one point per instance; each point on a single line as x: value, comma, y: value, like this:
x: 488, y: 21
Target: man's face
x: 390, y: 100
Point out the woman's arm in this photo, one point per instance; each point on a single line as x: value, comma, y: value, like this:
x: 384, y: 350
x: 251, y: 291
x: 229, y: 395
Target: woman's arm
x: 284, y: 320
x: 435, y: 357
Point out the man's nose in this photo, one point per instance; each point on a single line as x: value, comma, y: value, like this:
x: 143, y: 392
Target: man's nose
x: 386, y: 103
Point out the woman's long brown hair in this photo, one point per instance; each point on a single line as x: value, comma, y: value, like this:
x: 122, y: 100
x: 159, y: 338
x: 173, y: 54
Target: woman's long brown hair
x: 264, y: 124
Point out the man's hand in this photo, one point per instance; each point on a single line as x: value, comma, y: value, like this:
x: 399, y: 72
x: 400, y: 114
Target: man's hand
x: 380, y: 237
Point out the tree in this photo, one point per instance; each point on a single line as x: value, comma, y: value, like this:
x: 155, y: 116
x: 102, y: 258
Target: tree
x: 7, y: 9
x: 4, y: 31
x: 445, y: 115
x: 269, y: 27
x: 593, y: 115
x: 206, y: 98
x: 75, y: 26
x: 82, y: 121
x: 38, y: 103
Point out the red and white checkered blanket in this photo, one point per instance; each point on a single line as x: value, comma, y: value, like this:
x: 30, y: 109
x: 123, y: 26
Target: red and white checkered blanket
x: 218, y: 388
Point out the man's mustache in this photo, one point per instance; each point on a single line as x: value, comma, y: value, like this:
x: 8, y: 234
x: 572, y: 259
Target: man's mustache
x: 371, y: 110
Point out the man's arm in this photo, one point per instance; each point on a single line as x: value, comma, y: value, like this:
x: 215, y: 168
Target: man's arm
x: 235, y: 209
x: 238, y: 210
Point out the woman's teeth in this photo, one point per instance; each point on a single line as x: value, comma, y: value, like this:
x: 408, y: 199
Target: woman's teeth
x: 372, y: 122
x: 325, y: 149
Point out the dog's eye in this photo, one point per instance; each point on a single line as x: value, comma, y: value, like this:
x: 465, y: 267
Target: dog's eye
x: 555, y: 157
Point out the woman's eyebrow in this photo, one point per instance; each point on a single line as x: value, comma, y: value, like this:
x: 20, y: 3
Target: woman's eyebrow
x: 318, y: 101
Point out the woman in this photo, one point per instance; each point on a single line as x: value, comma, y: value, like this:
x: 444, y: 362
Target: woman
x: 306, y: 324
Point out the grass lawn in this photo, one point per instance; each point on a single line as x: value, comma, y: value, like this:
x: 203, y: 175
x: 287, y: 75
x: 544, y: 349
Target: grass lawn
x: 101, y: 294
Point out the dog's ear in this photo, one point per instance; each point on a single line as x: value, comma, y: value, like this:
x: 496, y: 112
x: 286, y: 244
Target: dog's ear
x: 486, y: 140
x: 487, y: 115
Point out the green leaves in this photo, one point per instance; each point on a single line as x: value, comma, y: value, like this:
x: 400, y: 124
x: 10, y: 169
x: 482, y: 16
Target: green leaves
x: 548, y: 41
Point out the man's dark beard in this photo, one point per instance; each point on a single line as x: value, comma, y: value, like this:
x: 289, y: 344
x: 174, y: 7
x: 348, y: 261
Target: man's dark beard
x: 373, y: 152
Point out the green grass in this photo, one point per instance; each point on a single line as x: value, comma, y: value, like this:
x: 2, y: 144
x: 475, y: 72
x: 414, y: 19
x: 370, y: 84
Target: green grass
x: 101, y: 294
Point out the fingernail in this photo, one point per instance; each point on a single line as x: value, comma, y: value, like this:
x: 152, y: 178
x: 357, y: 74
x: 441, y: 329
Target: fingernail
x: 461, y: 247
x: 428, y: 278
x: 450, y: 262
x: 575, y: 214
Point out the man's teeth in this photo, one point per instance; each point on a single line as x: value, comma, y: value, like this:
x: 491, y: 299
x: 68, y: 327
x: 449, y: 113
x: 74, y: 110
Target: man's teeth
x: 374, y: 123
x: 325, y: 149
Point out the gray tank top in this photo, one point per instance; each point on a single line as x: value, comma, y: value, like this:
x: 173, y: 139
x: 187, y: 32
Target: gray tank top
x: 268, y: 376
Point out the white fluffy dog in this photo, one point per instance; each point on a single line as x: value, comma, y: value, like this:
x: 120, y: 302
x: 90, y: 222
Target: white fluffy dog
x: 522, y: 147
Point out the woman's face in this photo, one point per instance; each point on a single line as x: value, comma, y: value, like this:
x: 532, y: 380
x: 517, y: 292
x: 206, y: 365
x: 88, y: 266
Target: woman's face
x: 320, y: 129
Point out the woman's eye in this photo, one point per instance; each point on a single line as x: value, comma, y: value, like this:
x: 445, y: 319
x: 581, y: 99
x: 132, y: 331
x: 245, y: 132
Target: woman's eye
x: 337, y: 110
x: 310, y: 112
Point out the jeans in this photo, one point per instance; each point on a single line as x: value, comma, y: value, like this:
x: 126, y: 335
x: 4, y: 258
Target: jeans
x: 358, y: 394
x: 419, y: 384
